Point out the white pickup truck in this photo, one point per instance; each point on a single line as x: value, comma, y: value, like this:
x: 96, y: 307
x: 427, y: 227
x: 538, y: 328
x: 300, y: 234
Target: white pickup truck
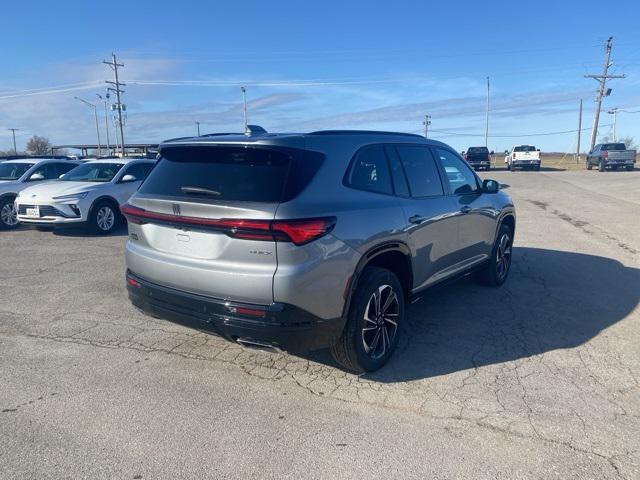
x: 523, y: 157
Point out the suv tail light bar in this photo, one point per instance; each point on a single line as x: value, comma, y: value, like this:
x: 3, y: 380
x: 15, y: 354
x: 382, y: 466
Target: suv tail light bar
x: 299, y: 231
x: 605, y: 154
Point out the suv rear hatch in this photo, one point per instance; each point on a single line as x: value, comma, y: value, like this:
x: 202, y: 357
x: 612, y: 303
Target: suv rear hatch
x: 203, y: 220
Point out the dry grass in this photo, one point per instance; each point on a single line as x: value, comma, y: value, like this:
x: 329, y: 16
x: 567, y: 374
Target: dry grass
x: 549, y: 162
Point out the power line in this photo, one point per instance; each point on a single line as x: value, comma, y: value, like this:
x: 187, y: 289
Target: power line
x: 540, y: 134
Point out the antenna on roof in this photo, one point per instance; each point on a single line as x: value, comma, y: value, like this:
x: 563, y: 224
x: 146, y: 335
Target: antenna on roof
x: 244, y: 102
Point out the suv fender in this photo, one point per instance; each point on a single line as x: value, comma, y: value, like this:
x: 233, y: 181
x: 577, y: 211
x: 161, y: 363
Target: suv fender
x: 368, y: 258
x: 103, y: 198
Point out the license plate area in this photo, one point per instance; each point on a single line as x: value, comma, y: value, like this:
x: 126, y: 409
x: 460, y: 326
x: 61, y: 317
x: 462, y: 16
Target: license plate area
x: 33, y: 212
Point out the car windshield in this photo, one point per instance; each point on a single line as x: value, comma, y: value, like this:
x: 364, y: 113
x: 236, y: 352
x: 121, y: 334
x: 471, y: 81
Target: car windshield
x: 614, y: 146
x: 477, y: 150
x: 525, y: 148
x: 13, y: 171
x: 92, y: 172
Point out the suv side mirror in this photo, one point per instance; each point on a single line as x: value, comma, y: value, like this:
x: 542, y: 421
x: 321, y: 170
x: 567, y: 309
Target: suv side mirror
x: 506, y: 152
x: 491, y: 152
x: 128, y: 178
x: 490, y: 186
x: 538, y: 149
x: 36, y: 177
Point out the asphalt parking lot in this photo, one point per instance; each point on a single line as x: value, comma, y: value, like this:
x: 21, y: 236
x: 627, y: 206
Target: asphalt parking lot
x: 537, y: 379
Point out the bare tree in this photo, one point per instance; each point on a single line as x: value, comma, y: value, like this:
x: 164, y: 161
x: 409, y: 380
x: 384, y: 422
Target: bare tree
x: 629, y: 142
x: 38, y: 145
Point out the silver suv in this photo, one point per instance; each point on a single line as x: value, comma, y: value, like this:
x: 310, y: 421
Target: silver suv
x: 307, y: 241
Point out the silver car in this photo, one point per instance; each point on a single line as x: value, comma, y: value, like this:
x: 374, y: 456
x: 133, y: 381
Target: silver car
x: 16, y: 175
x: 89, y: 195
x: 307, y: 241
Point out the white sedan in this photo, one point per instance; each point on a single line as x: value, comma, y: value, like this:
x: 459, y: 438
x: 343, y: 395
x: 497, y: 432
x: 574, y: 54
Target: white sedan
x: 90, y: 194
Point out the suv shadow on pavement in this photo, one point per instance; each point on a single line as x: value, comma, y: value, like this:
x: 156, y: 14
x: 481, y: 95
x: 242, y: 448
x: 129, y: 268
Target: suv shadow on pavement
x: 120, y: 231
x: 552, y: 300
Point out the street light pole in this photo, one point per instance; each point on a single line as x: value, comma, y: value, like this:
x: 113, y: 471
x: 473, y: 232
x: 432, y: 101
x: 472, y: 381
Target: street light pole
x: 614, y: 112
x: 244, y: 101
x: 106, y: 121
x: 95, y: 114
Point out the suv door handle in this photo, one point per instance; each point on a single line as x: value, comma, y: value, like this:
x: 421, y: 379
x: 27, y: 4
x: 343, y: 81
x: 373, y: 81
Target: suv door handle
x: 417, y: 219
x: 465, y: 209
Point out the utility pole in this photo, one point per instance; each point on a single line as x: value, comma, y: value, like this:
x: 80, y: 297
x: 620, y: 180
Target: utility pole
x: 13, y: 131
x: 114, y: 65
x: 426, y: 122
x: 614, y: 112
x: 244, y: 101
x: 198, y: 124
x: 602, y: 91
x: 486, y: 127
x: 95, y: 114
x: 106, y: 121
x: 579, y: 132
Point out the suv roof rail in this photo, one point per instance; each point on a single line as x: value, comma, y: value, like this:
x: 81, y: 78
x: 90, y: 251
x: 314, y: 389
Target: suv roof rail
x: 363, y: 132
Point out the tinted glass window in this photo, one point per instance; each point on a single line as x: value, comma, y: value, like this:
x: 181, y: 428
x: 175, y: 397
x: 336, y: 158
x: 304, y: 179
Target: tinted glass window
x: 525, y: 148
x: 65, y: 167
x: 478, y: 150
x: 370, y: 170
x: 399, y: 179
x: 13, y: 171
x: 614, y: 146
x: 224, y: 173
x: 460, y: 177
x: 421, y: 170
x: 49, y: 171
x: 139, y: 170
x: 93, y: 172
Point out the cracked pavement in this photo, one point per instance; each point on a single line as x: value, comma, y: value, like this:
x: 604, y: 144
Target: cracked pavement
x: 537, y: 379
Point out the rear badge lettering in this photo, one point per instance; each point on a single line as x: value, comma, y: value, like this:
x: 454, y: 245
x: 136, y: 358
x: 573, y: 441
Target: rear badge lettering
x: 260, y: 252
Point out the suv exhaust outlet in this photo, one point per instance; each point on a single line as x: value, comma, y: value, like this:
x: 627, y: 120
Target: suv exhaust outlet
x: 258, y: 345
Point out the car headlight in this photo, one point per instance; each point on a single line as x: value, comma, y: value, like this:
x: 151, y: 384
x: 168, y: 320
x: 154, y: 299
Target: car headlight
x: 72, y: 196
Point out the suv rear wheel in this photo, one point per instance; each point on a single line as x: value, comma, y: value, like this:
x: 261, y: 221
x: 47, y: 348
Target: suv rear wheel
x: 601, y: 166
x: 375, y: 318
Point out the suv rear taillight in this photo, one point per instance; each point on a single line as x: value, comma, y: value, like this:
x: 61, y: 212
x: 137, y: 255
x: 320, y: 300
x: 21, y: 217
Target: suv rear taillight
x: 299, y: 231
x: 605, y: 154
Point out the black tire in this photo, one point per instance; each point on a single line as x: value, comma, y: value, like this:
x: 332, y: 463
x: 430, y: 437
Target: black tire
x: 493, y: 274
x: 488, y: 167
x: 537, y: 168
x: 629, y: 168
x: 588, y: 164
x: 601, y: 166
x: 357, y: 349
x: 8, y: 217
x: 512, y: 167
x: 101, y: 221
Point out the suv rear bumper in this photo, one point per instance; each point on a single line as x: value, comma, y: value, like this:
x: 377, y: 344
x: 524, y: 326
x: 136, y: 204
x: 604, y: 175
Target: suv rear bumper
x: 283, y: 326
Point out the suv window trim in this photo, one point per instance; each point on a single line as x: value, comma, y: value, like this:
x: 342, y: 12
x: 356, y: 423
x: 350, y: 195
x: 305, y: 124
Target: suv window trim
x: 443, y: 174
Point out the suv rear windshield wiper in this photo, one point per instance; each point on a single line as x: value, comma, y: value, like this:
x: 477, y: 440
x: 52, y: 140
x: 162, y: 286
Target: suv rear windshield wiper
x: 200, y: 191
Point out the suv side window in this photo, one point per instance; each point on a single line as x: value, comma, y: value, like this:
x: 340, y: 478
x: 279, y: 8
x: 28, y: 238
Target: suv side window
x: 64, y: 168
x: 422, y: 172
x: 139, y: 170
x: 370, y: 171
x: 49, y: 171
x: 461, y: 179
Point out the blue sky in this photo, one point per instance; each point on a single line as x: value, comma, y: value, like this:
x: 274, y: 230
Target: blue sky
x: 319, y: 65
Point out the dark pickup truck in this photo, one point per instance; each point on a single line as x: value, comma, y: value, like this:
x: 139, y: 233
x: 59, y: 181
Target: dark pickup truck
x: 478, y: 157
x: 612, y: 156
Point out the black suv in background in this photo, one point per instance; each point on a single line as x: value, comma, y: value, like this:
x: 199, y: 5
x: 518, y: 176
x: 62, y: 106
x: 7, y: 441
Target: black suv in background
x: 478, y: 157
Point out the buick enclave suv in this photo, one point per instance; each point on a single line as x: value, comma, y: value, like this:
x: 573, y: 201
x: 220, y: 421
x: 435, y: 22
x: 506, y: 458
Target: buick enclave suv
x: 306, y: 241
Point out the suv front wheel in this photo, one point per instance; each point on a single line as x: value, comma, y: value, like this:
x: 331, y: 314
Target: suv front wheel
x: 375, y: 318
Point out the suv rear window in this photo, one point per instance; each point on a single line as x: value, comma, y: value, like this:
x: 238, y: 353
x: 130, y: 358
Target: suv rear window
x: 525, y: 148
x: 231, y: 173
x: 478, y: 150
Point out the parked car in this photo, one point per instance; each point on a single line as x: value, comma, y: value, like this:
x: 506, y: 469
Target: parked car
x: 612, y: 156
x: 523, y: 157
x: 90, y: 194
x: 274, y: 241
x: 16, y: 175
x: 478, y: 157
